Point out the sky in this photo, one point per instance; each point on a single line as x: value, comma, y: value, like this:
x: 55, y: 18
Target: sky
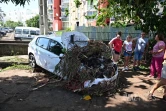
x: 33, y: 5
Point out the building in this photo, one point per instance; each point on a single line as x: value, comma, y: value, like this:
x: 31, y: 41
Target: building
x: 21, y: 15
x: 76, y: 15
x: 50, y: 14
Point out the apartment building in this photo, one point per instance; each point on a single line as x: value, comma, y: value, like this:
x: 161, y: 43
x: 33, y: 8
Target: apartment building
x: 50, y: 13
x: 76, y: 15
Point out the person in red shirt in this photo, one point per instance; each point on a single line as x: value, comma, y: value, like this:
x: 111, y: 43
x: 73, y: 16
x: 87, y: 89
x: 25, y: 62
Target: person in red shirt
x: 116, y: 46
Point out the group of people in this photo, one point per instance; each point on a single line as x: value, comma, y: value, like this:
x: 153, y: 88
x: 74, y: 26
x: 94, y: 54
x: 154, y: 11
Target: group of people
x: 139, y: 46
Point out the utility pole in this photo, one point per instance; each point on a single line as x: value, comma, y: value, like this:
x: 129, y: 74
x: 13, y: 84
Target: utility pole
x: 43, y: 18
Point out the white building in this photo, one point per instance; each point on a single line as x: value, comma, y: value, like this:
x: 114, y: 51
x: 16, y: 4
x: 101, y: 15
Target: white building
x: 20, y: 15
x: 50, y: 13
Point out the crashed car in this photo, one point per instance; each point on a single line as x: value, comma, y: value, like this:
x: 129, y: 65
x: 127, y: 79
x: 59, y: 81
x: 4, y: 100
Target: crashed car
x: 84, y: 64
x: 44, y: 51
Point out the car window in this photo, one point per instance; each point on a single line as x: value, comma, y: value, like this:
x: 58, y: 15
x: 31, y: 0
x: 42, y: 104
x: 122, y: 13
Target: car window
x: 42, y: 42
x: 55, y: 47
x: 33, y: 32
x: 25, y: 31
x: 18, y: 31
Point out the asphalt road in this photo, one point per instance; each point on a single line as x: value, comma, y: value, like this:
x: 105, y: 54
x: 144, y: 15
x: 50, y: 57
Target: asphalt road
x: 8, y: 37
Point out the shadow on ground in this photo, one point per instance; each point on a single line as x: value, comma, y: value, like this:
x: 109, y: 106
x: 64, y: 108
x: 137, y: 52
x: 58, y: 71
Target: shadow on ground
x: 20, y: 91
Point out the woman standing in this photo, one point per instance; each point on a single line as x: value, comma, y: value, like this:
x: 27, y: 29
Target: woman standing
x: 157, y: 56
x: 127, y: 45
x: 162, y: 82
x: 116, y: 46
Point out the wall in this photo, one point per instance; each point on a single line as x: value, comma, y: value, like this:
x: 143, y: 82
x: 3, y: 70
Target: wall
x: 11, y: 48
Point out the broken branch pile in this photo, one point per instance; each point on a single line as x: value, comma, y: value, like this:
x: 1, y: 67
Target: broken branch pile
x: 88, y: 63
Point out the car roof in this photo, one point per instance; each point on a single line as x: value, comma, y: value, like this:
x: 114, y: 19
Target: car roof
x: 35, y: 28
x: 57, y: 38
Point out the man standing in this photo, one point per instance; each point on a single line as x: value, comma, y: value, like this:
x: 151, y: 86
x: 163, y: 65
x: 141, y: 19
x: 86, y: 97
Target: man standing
x: 141, y: 46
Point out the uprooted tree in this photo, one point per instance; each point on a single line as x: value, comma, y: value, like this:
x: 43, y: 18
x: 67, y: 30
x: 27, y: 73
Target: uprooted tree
x: 83, y: 66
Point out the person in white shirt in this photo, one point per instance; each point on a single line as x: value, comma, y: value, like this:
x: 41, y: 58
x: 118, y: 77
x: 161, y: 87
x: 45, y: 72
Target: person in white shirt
x: 127, y: 46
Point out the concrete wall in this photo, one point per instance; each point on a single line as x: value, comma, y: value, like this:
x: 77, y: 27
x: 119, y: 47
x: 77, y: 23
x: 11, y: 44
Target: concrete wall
x: 13, y: 48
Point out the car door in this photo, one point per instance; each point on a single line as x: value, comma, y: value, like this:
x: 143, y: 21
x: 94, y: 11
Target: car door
x: 25, y: 33
x: 41, y: 52
x: 55, y: 49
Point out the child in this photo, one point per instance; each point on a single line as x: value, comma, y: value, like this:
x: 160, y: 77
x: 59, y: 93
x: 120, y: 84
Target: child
x: 127, y: 45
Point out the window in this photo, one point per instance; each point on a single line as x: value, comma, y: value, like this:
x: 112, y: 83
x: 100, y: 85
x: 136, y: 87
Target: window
x: 65, y: 25
x: 25, y: 31
x: 55, y: 47
x: 33, y: 32
x: 18, y: 31
x: 42, y: 42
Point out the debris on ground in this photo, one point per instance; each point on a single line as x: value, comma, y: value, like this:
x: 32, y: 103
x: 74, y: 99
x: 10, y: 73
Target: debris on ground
x: 88, y: 69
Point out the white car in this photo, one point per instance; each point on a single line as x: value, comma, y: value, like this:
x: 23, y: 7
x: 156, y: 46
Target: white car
x: 45, y: 51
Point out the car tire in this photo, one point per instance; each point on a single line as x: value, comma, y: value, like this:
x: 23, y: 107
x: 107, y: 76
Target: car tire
x: 32, y: 61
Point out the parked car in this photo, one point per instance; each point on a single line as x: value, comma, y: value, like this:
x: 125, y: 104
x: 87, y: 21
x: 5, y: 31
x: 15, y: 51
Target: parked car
x: 45, y: 51
x: 11, y: 30
x: 7, y: 29
x: 26, y: 33
x: 2, y: 31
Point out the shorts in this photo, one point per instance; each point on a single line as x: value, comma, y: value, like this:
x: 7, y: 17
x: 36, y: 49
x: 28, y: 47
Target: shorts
x: 127, y: 53
x: 138, y: 55
x: 163, y: 72
x: 116, y: 52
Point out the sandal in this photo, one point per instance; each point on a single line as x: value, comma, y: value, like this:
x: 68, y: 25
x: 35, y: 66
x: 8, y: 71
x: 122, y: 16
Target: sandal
x: 151, y: 97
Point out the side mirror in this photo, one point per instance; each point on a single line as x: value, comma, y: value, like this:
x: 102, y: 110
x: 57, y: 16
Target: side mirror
x: 61, y: 56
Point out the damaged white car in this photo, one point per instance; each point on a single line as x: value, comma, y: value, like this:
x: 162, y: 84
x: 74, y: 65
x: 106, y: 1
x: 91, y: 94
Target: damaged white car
x: 93, y: 60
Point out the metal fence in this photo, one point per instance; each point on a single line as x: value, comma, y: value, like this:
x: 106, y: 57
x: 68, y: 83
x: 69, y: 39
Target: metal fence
x: 107, y: 33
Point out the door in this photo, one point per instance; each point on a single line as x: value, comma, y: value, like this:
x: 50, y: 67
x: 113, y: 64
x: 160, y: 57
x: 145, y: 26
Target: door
x: 41, y: 51
x: 55, y: 49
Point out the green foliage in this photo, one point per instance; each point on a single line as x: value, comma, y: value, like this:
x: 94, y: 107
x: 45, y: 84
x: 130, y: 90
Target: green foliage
x: 144, y: 13
x: 66, y: 12
x: 68, y: 29
x: 17, y: 2
x: 12, y: 24
x: 18, y: 66
x: 91, y: 17
x: 33, y: 22
x: 77, y: 3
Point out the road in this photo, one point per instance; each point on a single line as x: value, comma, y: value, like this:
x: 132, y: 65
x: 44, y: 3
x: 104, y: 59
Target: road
x: 8, y: 37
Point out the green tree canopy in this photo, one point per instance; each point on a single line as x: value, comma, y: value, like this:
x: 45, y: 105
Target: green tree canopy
x: 17, y: 2
x: 33, y: 22
x: 146, y: 14
x: 12, y: 24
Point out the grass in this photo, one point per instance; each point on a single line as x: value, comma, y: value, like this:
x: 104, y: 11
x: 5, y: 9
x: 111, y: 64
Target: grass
x: 17, y: 66
x: 59, y: 33
x: 13, y: 59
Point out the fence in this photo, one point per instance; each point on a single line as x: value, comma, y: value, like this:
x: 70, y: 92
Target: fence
x: 107, y: 33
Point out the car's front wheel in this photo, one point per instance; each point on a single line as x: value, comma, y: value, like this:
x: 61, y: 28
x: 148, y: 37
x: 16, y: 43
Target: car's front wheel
x: 32, y: 61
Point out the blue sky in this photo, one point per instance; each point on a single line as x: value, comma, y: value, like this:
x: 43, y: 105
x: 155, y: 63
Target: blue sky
x: 33, y: 5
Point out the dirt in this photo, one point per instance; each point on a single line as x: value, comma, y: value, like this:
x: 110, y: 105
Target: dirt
x: 22, y: 90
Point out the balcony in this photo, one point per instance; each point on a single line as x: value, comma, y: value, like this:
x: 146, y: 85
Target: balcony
x: 64, y: 18
x: 64, y: 1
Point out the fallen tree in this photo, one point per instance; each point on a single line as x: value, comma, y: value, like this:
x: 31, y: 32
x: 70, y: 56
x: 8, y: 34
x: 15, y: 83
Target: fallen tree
x: 88, y: 69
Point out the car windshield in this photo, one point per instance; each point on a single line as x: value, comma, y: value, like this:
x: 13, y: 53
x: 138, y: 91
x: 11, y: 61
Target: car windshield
x: 18, y: 31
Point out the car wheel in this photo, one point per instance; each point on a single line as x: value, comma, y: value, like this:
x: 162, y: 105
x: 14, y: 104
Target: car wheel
x: 32, y: 61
